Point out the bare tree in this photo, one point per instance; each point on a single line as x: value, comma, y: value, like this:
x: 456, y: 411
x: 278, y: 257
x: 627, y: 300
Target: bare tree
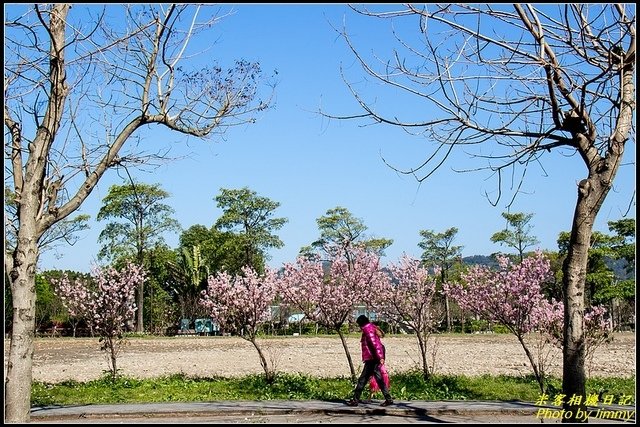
x: 79, y: 87
x: 508, y: 84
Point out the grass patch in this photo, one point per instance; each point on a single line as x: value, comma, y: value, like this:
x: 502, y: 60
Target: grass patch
x: 404, y: 386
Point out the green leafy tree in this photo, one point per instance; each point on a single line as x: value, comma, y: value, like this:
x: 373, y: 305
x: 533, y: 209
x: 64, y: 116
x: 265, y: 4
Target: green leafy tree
x: 221, y: 250
x: 69, y: 119
x: 160, y: 309
x: 505, y: 85
x: 198, y: 235
x: 140, y: 221
x: 624, y: 243
x: 439, y: 250
x: 251, y: 218
x: 341, y: 231
x: 623, y: 292
x: 517, y: 233
x: 44, y: 302
x: 599, y: 273
x: 603, y: 284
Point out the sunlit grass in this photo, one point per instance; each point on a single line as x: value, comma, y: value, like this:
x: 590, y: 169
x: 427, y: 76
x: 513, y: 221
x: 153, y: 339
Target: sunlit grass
x: 405, y: 386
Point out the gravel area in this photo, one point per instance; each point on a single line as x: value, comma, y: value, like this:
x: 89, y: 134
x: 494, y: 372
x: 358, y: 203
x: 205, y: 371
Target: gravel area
x: 60, y: 359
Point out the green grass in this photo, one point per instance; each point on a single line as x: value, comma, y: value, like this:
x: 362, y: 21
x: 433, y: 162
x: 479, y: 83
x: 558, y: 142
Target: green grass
x: 404, y: 386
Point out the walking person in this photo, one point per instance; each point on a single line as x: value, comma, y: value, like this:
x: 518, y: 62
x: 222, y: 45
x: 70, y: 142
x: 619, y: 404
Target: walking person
x: 373, y: 358
x: 373, y: 384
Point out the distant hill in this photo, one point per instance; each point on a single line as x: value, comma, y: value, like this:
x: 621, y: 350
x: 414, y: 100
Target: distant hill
x: 619, y: 267
x: 480, y: 260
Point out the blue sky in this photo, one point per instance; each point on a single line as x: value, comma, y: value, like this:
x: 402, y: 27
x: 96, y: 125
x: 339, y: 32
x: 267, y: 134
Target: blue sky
x: 310, y: 164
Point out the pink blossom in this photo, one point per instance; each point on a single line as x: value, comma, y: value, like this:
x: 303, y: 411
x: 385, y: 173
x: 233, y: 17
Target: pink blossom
x: 106, y: 304
x: 510, y: 296
x: 241, y: 303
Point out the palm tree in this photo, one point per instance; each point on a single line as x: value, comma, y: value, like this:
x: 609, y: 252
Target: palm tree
x: 190, y: 275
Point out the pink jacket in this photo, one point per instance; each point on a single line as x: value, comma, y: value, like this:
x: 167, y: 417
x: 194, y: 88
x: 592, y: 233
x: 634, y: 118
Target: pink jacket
x: 370, y: 343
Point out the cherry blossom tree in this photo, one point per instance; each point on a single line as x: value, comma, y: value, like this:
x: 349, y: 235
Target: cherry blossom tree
x: 510, y: 296
x: 106, y: 304
x: 408, y: 298
x: 75, y: 297
x: 328, y: 296
x: 241, y: 304
x: 597, y: 329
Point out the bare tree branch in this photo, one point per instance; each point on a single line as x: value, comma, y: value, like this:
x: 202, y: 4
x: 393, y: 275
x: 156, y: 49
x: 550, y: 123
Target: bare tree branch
x: 508, y: 84
x: 80, y: 91
x: 491, y: 74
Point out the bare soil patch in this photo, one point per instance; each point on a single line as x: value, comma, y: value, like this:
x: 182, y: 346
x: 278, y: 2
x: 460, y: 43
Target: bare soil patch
x: 80, y: 359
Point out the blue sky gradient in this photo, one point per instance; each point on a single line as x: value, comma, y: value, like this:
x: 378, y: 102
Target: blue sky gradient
x: 310, y: 164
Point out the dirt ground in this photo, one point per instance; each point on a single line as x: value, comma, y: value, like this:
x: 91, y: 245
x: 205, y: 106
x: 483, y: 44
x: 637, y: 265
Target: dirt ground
x: 60, y: 359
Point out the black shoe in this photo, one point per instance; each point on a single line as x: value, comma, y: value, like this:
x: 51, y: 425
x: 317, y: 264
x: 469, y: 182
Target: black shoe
x: 387, y: 402
x: 353, y: 402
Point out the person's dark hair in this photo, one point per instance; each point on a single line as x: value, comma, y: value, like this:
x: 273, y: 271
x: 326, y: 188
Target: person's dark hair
x: 362, y: 320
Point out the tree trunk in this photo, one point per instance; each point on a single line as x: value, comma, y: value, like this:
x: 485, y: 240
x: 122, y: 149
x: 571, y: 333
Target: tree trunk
x: 538, y: 370
x: 422, y: 343
x: 612, y: 317
x: 448, y: 312
x: 591, y: 194
x: 269, y: 374
x: 110, y: 346
x: 34, y: 219
x: 17, y: 387
x: 574, y: 273
x: 140, y: 288
x: 139, y: 305
x: 346, y: 351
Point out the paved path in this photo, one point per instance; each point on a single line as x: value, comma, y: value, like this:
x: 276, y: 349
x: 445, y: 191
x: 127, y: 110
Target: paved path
x: 315, y: 411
